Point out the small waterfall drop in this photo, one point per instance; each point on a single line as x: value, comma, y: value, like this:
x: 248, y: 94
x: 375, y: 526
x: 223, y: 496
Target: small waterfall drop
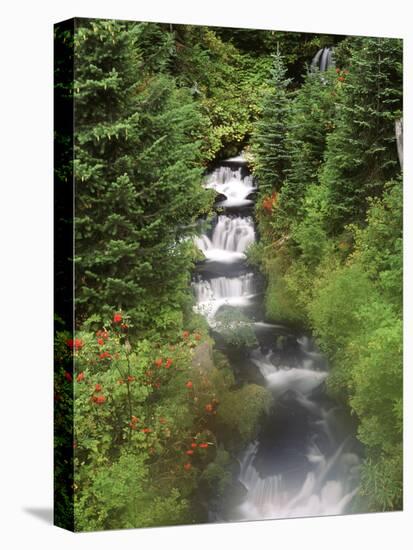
x: 230, y: 239
x: 322, y: 60
x: 229, y: 182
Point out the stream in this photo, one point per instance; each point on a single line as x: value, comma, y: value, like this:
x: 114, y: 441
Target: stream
x: 305, y: 460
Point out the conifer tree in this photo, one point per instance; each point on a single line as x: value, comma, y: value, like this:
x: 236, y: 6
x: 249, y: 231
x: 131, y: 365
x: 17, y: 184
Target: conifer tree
x: 268, y: 139
x: 361, y: 154
x: 137, y: 175
x: 309, y: 123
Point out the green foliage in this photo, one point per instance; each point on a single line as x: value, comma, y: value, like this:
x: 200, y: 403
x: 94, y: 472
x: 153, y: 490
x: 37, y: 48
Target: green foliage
x: 240, y: 411
x: 144, y: 416
x: 361, y: 154
x: 280, y: 302
x: 311, y: 120
x: 270, y: 159
x: 127, y: 201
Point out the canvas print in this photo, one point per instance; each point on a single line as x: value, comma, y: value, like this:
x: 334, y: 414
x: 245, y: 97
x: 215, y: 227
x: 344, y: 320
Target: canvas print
x: 228, y: 274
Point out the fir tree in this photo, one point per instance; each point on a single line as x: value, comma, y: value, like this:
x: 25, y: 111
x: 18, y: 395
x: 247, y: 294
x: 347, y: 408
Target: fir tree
x: 268, y: 140
x: 137, y: 174
x: 361, y: 154
x: 309, y: 123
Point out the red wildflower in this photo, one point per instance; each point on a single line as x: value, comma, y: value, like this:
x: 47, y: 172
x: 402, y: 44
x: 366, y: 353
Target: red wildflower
x: 70, y: 343
x: 105, y: 355
x: 135, y: 419
x: 101, y: 341
x: 194, y: 445
x: 158, y: 362
x: 132, y: 425
x: 203, y: 445
x: 146, y: 430
x: 168, y: 363
x: 80, y: 376
x: 197, y: 336
x: 68, y: 376
x: 189, y: 452
x: 102, y: 334
x: 209, y: 407
x: 341, y: 78
x: 189, y: 384
x: 99, y: 399
x: 185, y: 334
x: 78, y: 344
x: 187, y: 466
x: 98, y: 387
x: 131, y: 378
x: 124, y: 327
x: 117, y: 318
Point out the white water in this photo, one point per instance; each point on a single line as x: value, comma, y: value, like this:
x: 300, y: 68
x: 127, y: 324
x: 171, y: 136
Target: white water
x: 280, y: 379
x: 320, y: 494
x: 220, y: 291
x: 228, y: 181
x: 328, y: 471
x: 230, y: 239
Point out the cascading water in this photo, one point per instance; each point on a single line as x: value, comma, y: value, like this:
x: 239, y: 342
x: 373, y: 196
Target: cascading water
x: 322, y: 60
x: 303, y: 463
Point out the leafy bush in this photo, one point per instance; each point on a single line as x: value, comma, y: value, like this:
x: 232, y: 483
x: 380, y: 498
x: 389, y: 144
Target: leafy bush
x: 240, y: 412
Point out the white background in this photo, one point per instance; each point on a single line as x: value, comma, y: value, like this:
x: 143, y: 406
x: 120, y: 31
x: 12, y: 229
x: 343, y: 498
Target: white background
x: 26, y: 272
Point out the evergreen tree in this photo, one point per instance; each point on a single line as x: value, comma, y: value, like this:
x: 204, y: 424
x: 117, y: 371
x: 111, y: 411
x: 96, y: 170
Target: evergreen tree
x: 137, y: 173
x: 310, y: 122
x: 361, y: 154
x: 268, y: 140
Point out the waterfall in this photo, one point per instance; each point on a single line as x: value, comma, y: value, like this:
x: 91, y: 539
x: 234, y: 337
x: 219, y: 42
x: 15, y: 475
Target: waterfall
x: 300, y: 464
x: 322, y: 60
x: 229, y: 181
x: 222, y: 291
x: 230, y: 239
x: 319, y: 494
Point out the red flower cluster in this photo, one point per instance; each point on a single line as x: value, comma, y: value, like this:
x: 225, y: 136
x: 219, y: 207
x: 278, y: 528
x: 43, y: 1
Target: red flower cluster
x: 146, y: 430
x: 105, y: 355
x: 75, y: 344
x: 133, y: 422
x: 203, y: 445
x: 99, y: 399
x: 342, y: 74
x: 187, y: 466
x: 117, y: 318
x: 158, y: 362
x: 185, y: 334
x: 98, y: 388
x: 168, y: 363
x: 209, y: 407
x: 269, y: 202
x: 80, y: 376
x: 197, y: 336
x: 189, y: 385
